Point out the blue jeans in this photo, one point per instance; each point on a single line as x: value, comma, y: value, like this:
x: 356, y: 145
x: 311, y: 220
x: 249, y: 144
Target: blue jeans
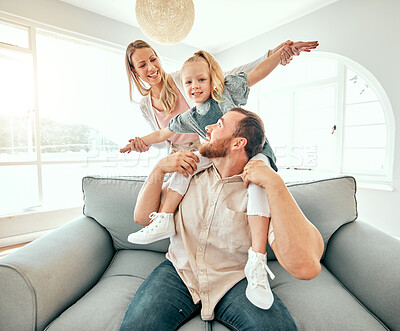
x: 163, y: 303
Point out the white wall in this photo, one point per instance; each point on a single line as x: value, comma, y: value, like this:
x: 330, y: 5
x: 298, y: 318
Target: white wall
x: 366, y: 31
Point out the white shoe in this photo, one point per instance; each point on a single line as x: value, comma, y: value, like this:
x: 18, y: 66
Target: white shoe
x: 258, y: 290
x: 161, y: 226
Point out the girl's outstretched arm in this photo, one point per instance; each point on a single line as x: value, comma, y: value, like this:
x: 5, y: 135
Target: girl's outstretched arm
x: 143, y: 144
x: 282, y: 54
x: 264, y: 69
x: 157, y: 136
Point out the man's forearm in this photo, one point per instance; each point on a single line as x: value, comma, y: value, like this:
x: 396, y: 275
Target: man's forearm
x: 298, y: 243
x: 149, y: 197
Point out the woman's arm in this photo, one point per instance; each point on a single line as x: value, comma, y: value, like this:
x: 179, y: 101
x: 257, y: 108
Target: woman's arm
x: 298, y: 245
x: 149, y: 199
x: 157, y: 136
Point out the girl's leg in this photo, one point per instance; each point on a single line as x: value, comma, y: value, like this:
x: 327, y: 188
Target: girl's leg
x: 180, y: 183
x: 171, y: 202
x: 258, y: 290
x: 258, y: 201
x: 259, y: 232
x: 162, y: 224
x: 259, y: 213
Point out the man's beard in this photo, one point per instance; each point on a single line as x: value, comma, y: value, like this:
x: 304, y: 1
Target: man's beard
x: 218, y: 148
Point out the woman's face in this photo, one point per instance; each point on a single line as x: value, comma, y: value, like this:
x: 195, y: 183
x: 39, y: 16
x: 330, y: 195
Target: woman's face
x: 147, y: 65
x: 196, y: 81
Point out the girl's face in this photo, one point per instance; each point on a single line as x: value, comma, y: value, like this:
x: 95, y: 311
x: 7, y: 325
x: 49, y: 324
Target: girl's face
x: 196, y: 81
x: 147, y: 65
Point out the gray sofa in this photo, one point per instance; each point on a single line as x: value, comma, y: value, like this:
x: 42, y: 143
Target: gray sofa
x: 83, y: 275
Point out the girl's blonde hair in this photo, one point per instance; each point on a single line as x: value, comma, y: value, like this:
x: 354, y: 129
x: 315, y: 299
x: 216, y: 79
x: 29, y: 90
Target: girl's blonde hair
x: 168, y: 96
x: 216, y: 74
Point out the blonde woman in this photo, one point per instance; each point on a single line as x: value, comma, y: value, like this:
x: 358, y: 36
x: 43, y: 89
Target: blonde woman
x: 163, y: 94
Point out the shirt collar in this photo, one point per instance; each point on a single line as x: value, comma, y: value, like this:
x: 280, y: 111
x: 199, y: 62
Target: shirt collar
x: 234, y: 178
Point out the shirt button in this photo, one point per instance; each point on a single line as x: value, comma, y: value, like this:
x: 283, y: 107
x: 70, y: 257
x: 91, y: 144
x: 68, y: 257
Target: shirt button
x: 200, y: 249
x: 205, y: 227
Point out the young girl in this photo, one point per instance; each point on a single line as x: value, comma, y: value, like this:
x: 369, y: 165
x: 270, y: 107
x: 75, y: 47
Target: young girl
x: 214, y: 95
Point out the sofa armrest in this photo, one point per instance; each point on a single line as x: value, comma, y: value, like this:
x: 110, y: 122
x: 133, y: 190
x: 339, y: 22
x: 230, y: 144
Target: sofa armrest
x: 367, y: 262
x: 39, y: 281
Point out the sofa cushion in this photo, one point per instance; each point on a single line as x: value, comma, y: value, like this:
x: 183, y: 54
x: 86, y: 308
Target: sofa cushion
x: 104, y: 306
x: 321, y: 303
x: 327, y: 203
x: 111, y: 202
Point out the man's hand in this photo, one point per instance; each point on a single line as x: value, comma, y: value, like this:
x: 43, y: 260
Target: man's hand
x: 183, y: 162
x: 257, y: 172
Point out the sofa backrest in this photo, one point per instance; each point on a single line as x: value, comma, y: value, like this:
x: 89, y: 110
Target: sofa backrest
x: 328, y: 204
x: 111, y: 202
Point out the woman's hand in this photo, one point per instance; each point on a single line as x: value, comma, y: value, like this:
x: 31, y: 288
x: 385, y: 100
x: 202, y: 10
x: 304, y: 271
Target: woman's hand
x: 257, y: 172
x: 183, y: 162
x: 303, y: 46
x: 288, y: 49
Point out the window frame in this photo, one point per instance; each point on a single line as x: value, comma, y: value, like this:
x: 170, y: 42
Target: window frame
x: 368, y: 179
x: 32, y: 28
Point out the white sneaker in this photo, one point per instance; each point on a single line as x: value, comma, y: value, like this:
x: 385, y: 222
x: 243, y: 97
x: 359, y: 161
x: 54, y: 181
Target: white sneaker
x: 258, y: 290
x: 161, y: 226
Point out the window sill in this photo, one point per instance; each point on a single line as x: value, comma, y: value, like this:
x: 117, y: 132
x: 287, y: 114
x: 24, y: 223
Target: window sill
x: 19, y: 228
x: 37, y: 210
x: 298, y: 175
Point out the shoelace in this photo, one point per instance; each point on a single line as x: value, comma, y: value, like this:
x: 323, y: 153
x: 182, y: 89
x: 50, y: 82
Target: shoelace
x: 258, y: 276
x: 152, y: 216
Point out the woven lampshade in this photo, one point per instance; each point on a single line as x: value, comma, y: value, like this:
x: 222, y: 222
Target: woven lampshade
x: 165, y: 21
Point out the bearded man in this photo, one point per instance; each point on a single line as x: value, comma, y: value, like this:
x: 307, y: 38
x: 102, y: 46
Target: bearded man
x: 205, y: 260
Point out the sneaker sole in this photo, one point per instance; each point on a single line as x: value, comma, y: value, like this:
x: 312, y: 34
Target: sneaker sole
x: 133, y: 240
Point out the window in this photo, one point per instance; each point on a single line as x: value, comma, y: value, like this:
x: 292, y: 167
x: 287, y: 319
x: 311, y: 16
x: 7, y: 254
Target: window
x: 64, y: 113
x: 324, y: 115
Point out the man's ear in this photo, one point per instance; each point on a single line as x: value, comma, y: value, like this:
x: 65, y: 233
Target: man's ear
x: 239, y: 143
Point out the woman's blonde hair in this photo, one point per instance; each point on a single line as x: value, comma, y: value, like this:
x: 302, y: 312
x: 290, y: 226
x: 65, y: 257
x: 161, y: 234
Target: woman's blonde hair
x: 217, y: 78
x: 168, y: 96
